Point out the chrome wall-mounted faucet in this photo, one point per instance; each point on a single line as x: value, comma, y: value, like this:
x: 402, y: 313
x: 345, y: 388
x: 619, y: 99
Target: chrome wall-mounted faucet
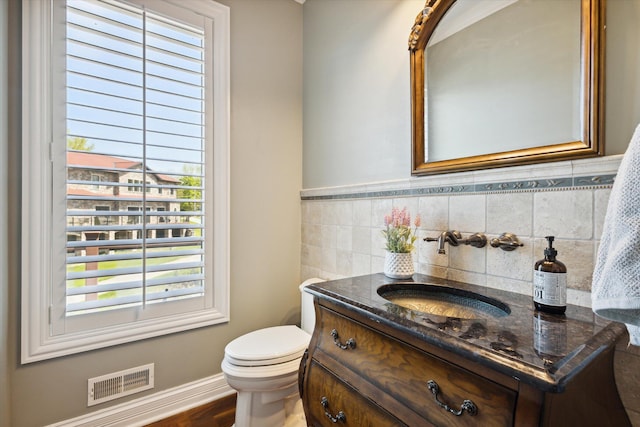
x: 454, y: 238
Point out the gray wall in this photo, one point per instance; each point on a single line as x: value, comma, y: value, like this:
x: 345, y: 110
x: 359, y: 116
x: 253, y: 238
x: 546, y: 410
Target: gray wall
x: 4, y: 279
x: 356, y: 87
x: 266, y: 152
x: 622, y: 97
x: 356, y: 90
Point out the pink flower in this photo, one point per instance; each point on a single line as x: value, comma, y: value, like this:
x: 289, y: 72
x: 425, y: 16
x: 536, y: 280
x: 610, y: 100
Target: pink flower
x: 406, y: 218
x: 400, y: 217
x: 395, y: 217
x: 400, y: 238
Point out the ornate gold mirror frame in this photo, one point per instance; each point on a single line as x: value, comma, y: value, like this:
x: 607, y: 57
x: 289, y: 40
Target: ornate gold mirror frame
x: 592, y: 95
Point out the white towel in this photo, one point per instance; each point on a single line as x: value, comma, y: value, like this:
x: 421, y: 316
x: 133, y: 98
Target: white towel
x: 615, y: 291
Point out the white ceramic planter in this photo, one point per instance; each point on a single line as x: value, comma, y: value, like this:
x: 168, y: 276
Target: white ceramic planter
x: 398, y: 266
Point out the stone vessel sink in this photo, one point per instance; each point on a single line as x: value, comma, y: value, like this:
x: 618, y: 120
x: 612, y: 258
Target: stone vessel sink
x: 443, y: 301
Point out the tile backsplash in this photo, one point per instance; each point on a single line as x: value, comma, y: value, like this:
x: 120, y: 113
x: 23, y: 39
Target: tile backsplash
x: 341, y: 226
x: 341, y: 230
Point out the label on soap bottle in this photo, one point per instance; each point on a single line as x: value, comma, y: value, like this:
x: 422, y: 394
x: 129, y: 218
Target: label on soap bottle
x: 550, y: 288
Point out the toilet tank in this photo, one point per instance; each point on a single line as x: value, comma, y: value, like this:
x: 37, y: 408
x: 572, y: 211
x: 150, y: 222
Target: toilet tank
x: 307, y: 313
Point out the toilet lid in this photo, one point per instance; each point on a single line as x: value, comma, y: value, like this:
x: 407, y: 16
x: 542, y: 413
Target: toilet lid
x: 268, y: 346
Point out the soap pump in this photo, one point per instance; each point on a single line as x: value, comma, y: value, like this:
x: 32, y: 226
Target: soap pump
x: 550, y: 282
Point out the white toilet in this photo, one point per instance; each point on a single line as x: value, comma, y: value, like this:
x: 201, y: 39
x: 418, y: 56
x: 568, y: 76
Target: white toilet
x: 262, y: 366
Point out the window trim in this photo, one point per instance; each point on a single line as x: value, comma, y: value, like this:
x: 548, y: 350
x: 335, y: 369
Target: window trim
x: 40, y: 99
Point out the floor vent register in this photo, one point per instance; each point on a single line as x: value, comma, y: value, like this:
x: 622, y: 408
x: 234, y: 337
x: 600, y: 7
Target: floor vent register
x: 119, y: 384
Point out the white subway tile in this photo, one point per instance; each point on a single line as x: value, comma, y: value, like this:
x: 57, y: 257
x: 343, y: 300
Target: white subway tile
x: 377, y: 264
x: 467, y: 213
x: 516, y: 264
x: 467, y: 258
x: 344, y: 212
x: 361, y: 264
x: 510, y: 285
x: 344, y: 263
x: 378, y: 243
x: 362, y: 240
x: 510, y: 213
x: 565, y: 214
x: 380, y: 208
x: 329, y: 213
x: 344, y: 238
x: 329, y: 257
x: 328, y: 236
x: 467, y: 277
x: 362, y: 213
x: 311, y: 234
x: 434, y: 212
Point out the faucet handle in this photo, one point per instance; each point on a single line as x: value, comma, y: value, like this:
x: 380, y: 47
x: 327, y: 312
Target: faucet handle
x: 430, y: 239
x: 477, y: 240
x: 506, y: 242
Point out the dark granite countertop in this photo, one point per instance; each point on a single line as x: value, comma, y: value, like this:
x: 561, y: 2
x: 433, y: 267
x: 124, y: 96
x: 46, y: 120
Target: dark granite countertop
x: 540, y: 349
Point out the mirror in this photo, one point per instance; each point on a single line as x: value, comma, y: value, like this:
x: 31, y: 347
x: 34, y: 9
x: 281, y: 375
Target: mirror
x: 505, y: 82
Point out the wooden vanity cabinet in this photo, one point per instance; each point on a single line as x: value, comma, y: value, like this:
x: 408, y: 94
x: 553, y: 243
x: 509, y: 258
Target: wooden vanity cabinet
x: 334, y: 397
x: 361, y: 372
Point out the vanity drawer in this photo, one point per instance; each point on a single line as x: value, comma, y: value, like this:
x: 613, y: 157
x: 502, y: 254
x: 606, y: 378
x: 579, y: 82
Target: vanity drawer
x: 327, y: 396
x: 363, y: 351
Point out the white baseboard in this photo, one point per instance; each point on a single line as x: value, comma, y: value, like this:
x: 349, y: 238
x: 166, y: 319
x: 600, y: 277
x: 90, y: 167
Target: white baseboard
x: 157, y: 406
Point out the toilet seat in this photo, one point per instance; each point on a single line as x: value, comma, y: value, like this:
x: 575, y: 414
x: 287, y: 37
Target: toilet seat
x: 269, y: 346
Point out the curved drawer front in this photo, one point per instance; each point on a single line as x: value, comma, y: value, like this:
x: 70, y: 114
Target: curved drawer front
x: 410, y: 374
x: 333, y: 403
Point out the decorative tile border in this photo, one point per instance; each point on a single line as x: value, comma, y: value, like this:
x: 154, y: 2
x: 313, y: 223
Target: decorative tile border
x: 566, y: 183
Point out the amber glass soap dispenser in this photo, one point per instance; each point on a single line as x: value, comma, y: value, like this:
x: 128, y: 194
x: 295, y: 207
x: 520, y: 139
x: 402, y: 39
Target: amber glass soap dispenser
x: 550, y: 282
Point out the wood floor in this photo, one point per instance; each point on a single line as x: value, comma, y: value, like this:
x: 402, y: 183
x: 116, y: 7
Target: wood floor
x: 220, y: 413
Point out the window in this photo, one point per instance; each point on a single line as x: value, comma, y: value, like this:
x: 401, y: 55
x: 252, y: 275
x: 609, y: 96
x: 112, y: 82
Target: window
x: 96, y: 178
x: 133, y: 218
x: 161, y: 218
x: 137, y: 185
x: 98, y: 220
x: 135, y: 97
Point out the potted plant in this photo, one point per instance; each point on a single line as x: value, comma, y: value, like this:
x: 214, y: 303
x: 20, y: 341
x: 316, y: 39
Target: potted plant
x: 400, y: 239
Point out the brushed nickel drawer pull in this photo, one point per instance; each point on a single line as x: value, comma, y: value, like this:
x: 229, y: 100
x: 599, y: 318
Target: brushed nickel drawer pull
x: 339, y: 417
x: 467, y: 405
x: 351, y: 343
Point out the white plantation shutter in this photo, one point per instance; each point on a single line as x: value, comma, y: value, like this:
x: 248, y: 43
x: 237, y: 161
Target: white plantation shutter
x: 126, y: 200
x: 135, y: 97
